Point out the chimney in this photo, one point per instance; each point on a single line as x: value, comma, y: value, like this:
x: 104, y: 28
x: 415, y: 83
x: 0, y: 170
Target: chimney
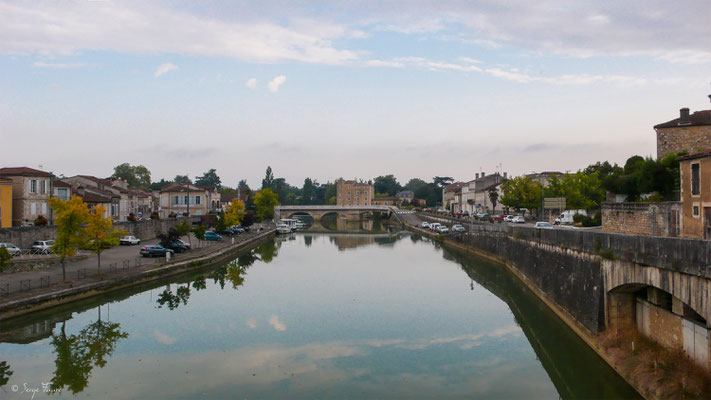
x: 482, y: 174
x: 477, y: 175
x: 684, y: 116
x: 504, y: 175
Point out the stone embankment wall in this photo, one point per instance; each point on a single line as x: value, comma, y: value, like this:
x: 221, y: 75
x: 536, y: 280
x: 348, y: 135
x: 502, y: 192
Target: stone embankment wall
x: 23, y: 237
x: 652, y: 219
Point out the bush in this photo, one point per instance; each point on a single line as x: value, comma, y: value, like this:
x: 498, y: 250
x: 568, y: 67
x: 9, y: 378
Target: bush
x: 131, y: 217
x: 154, y: 215
x: 41, y: 221
x: 578, y: 218
x: 5, y: 257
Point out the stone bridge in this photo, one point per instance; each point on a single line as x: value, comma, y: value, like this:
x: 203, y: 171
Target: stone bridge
x: 351, y: 213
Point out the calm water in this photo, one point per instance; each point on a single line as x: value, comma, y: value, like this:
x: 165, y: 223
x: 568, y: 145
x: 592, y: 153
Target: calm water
x: 311, y: 316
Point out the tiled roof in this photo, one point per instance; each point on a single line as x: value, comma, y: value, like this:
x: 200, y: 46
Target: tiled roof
x: 89, y: 197
x: 697, y: 118
x: 177, y: 187
x: 61, y: 183
x: 23, y: 171
x: 701, y: 154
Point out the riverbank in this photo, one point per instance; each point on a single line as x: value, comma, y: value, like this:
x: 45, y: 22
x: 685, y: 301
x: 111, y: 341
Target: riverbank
x: 676, y: 377
x: 54, y: 296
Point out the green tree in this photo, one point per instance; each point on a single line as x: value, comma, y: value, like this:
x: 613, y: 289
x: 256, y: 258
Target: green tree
x: 521, y: 192
x: 268, y: 178
x: 414, y: 184
x: 386, y: 185
x: 182, y: 179
x: 428, y: 193
x: 183, y: 229
x: 69, y: 217
x: 5, y: 258
x: 308, y: 192
x: 100, y: 234
x: 494, y: 197
x: 5, y: 373
x: 265, y: 200
x: 199, y: 232
x: 209, y: 178
x: 137, y: 177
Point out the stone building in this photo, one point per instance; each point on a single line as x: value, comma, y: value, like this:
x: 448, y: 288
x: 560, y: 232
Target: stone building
x: 475, y: 194
x: 689, y: 132
x: 31, y: 189
x: 452, y: 196
x: 695, y: 172
x: 384, y: 201
x: 180, y: 199
x: 353, y: 193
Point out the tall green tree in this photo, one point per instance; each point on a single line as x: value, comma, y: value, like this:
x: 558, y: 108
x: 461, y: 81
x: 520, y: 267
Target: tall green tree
x: 414, y: 184
x: 265, y: 200
x: 308, y: 192
x: 268, y: 178
x: 209, y: 178
x: 69, y: 217
x: 100, y: 234
x: 494, y: 197
x: 137, y: 176
x: 521, y: 192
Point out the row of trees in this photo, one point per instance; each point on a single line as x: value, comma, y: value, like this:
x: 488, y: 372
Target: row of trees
x: 640, y: 179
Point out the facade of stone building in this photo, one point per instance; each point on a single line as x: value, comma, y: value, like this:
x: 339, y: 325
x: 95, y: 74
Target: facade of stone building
x: 689, y: 132
x: 353, y: 193
x: 384, y: 201
x: 642, y: 218
x: 695, y: 172
x: 181, y: 199
x: 31, y: 190
x: 452, y: 196
x: 475, y: 194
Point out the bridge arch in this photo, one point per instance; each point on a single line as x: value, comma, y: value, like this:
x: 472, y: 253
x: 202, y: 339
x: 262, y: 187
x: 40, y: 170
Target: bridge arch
x: 629, y: 278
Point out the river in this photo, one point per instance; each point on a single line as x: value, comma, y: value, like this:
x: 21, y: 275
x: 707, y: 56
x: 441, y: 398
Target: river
x: 312, y: 315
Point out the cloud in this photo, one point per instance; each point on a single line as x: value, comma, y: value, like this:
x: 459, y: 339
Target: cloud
x: 147, y: 28
x: 274, y: 84
x: 164, y: 68
x: 163, y: 338
x: 57, y: 65
x: 251, y: 83
x: 276, y: 324
x: 252, y: 323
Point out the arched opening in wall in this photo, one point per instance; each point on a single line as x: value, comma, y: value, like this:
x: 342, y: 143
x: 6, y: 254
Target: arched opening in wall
x: 329, y: 221
x: 660, y: 316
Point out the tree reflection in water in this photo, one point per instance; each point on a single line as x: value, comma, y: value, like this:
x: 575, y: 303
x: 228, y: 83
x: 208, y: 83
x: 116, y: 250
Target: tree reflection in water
x: 78, y: 354
x: 5, y: 373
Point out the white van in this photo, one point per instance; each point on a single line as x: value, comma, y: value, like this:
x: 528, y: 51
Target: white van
x: 567, y: 216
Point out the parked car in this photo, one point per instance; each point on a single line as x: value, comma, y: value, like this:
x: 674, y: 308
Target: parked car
x: 543, y: 225
x: 465, y: 213
x: 442, y: 229
x: 177, y: 247
x: 155, y: 250
x: 434, y: 225
x: 425, y: 224
x: 518, y: 219
x: 184, y: 243
x: 458, y: 228
x: 42, y: 246
x: 129, y: 240
x: 209, y: 235
x: 11, y: 248
x: 508, y: 218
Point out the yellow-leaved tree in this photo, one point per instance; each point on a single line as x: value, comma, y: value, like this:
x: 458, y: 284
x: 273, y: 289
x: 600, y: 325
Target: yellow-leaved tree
x: 69, y: 217
x: 100, y: 233
x: 234, y: 213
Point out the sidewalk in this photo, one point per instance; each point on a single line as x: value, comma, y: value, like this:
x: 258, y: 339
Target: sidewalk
x: 116, y: 263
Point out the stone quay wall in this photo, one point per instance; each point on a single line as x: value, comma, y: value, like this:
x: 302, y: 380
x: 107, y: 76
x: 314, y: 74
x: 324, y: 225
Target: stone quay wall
x: 23, y: 237
x: 651, y: 219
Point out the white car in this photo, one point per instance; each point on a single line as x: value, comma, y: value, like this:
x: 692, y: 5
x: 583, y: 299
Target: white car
x: 433, y: 226
x: 458, y: 228
x: 129, y: 240
x: 442, y: 229
x: 425, y: 224
x: 518, y: 220
x: 508, y: 218
x: 11, y: 248
x: 42, y: 246
x: 543, y: 225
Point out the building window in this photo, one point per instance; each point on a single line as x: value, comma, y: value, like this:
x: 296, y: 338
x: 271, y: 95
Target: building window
x: 176, y: 200
x: 197, y: 200
x: 33, y: 186
x: 696, y: 211
x: 43, y: 186
x: 695, y: 179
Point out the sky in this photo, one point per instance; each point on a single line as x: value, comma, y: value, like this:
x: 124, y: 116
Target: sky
x: 329, y: 89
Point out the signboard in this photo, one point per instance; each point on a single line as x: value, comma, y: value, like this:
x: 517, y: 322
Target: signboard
x: 554, y: 203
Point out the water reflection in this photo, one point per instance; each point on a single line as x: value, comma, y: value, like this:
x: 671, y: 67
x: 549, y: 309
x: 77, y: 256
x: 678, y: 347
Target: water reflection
x: 302, y: 332
x: 77, y: 355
